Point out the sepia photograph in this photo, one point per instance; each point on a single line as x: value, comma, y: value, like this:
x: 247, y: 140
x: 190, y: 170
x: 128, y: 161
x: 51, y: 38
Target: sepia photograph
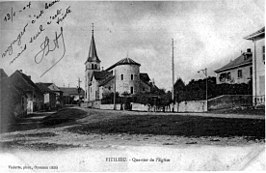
x: 122, y: 86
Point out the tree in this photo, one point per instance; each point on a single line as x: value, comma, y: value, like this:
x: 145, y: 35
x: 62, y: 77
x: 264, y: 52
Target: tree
x: 179, y: 88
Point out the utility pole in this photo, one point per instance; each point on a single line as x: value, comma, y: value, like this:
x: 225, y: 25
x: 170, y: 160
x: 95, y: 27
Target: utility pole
x: 173, y: 74
x: 114, y: 89
x: 79, y: 89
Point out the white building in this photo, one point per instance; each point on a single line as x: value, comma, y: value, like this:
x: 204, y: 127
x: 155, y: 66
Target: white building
x: 236, y: 71
x: 258, y: 39
x: 123, y: 77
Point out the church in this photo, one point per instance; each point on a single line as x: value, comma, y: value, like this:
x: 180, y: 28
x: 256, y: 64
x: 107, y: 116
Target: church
x: 123, y: 77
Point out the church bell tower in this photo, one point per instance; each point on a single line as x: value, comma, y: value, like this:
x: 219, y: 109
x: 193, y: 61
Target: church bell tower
x: 92, y: 64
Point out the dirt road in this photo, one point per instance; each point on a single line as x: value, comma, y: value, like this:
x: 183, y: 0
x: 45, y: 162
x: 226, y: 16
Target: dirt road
x: 80, y: 139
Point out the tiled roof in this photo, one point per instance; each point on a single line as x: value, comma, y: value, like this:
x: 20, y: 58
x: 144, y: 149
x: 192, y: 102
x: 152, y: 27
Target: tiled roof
x: 101, y: 75
x: 44, y: 88
x: 256, y: 34
x: 144, y: 77
x: 242, y: 60
x: 93, y: 57
x: 71, y: 91
x: 14, y: 80
x: 2, y: 73
x: 123, y: 62
x: 105, y: 81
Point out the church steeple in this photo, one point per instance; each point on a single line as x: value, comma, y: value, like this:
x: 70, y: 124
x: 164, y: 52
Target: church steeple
x: 93, y: 57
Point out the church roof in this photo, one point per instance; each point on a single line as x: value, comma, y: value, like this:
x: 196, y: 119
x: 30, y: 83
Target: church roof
x: 106, y: 80
x: 93, y: 57
x: 256, y: 34
x: 145, y: 77
x: 125, y: 61
x: 101, y: 75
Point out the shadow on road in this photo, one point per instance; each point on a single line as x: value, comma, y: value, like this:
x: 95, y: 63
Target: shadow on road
x: 61, y: 117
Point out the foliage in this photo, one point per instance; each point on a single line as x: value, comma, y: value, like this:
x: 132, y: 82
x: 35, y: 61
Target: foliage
x: 196, y: 89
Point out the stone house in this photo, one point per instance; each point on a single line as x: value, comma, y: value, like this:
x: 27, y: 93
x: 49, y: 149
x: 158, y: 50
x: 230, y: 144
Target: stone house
x: 49, y: 97
x: 24, y: 84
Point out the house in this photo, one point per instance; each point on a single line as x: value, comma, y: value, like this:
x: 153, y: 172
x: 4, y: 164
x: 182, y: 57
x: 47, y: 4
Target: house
x: 258, y: 79
x: 72, y: 95
x: 236, y: 71
x: 24, y: 84
x: 123, y: 77
x: 49, y: 96
x: 56, y: 90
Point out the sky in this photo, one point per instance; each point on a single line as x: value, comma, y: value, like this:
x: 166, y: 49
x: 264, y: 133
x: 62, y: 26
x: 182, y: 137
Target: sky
x: 207, y: 34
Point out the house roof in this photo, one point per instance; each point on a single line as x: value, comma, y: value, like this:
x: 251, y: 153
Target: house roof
x: 14, y: 80
x: 93, y: 57
x: 243, y: 60
x: 44, y: 88
x: 256, y: 34
x: 71, y: 91
x: 2, y: 73
x: 54, y: 88
x: 125, y: 61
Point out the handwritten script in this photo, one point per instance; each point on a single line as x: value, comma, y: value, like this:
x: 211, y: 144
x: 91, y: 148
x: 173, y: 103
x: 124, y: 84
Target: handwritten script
x: 37, y: 24
x: 46, y: 48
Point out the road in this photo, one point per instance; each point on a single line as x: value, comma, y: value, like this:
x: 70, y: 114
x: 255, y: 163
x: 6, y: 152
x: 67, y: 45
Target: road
x: 137, y: 134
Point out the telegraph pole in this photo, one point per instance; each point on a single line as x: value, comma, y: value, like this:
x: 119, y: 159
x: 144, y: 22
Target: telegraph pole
x: 173, y: 74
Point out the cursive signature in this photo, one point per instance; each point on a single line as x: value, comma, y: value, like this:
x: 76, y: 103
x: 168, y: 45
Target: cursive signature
x: 46, y: 48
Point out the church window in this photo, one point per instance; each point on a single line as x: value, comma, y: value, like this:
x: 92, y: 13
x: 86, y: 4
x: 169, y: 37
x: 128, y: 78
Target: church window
x: 122, y: 76
x: 132, y: 76
x: 131, y: 90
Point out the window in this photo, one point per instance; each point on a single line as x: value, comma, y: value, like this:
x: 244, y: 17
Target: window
x: 122, y: 76
x: 239, y: 73
x: 109, y: 87
x: 250, y: 72
x: 263, y: 54
x: 132, y: 76
x: 131, y: 90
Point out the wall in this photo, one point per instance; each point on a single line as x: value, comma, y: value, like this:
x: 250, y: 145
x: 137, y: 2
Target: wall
x: 192, y: 106
x: 88, y: 74
x: 139, y: 107
x: 93, y: 89
x: 229, y: 101
x: 125, y: 84
x: 110, y: 106
x: 259, y: 87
